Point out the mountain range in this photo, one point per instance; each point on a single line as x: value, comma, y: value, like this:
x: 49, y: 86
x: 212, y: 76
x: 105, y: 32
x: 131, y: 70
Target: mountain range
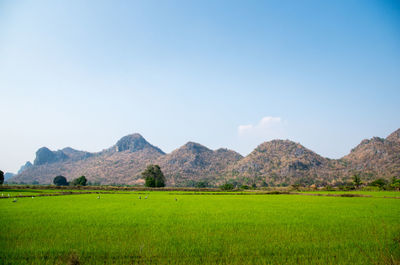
x: 277, y: 162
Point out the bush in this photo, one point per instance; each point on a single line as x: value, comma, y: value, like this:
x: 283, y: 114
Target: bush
x: 227, y: 186
x: 381, y: 183
x: 201, y: 184
x: 244, y: 187
x: 60, y: 181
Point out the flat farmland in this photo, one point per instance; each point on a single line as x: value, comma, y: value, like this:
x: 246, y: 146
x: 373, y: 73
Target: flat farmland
x: 186, y: 228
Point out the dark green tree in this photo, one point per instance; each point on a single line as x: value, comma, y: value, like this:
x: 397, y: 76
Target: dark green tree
x: 153, y: 176
x: 81, y: 181
x: 357, y: 180
x: 201, y: 184
x: 395, y: 183
x: 381, y: 183
x: 227, y: 186
x: 1, y: 177
x: 60, y: 181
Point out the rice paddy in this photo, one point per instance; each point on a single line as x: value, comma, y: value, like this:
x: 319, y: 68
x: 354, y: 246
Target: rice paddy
x: 184, y: 228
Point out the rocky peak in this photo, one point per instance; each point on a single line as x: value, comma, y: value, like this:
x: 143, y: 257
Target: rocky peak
x: 195, y: 147
x: 26, y: 166
x: 134, y: 142
x: 394, y: 136
x: 44, y: 156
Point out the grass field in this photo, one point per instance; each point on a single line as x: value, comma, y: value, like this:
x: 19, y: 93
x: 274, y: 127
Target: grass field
x: 199, y: 229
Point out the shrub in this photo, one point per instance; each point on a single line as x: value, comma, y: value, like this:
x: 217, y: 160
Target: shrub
x: 226, y: 186
x: 378, y: 183
x: 201, y: 184
x: 60, y: 181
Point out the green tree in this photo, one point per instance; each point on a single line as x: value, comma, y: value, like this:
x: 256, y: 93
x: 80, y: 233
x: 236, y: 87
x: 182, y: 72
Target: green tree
x: 1, y: 177
x: 81, y: 181
x: 378, y: 183
x: 227, y: 186
x: 153, y: 176
x: 357, y: 180
x: 60, y: 181
x: 395, y: 183
x: 202, y: 184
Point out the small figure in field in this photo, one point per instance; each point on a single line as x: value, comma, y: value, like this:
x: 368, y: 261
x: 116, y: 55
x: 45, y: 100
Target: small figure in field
x: 15, y: 200
x: 9, y: 195
x: 145, y: 197
x: 98, y: 197
x: 176, y: 199
x: 32, y: 197
x: 140, y: 197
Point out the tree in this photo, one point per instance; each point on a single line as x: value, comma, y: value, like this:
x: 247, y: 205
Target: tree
x: 395, y: 183
x: 201, y: 184
x: 1, y: 177
x: 357, y: 180
x: 227, y: 186
x: 153, y: 176
x: 60, y: 181
x: 378, y: 183
x: 81, y: 181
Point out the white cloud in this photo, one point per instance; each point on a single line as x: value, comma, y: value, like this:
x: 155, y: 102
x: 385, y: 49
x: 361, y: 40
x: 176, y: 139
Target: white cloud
x: 267, y: 128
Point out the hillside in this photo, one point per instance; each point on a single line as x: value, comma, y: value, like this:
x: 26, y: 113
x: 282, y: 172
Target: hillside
x: 376, y: 157
x: 196, y: 162
x: 121, y: 163
x: 278, y: 162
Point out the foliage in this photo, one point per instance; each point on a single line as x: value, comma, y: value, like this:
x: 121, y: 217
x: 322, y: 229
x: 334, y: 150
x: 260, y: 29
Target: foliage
x: 227, y: 186
x: 201, y: 184
x: 395, y: 183
x: 244, y: 187
x: 1, y: 177
x: 153, y: 176
x: 357, y: 180
x: 381, y: 183
x: 81, y: 181
x: 60, y: 181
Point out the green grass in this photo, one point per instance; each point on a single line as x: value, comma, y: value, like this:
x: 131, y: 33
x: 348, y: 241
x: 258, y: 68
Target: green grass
x: 199, y: 229
x: 361, y: 192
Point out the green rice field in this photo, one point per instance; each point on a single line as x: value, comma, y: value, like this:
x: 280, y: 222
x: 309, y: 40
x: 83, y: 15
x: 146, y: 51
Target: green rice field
x: 185, y: 228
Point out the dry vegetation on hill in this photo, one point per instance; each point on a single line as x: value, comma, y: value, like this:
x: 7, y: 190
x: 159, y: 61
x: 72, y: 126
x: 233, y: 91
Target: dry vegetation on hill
x: 278, y: 162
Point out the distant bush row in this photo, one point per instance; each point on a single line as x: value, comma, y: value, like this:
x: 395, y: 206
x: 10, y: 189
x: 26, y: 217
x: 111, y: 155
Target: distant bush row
x: 62, y: 181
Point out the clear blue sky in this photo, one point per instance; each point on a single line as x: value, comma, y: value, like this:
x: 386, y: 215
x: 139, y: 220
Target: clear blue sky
x: 222, y: 73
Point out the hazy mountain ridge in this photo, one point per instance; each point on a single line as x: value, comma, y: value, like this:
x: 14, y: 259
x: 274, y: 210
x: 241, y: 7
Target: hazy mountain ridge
x: 277, y: 162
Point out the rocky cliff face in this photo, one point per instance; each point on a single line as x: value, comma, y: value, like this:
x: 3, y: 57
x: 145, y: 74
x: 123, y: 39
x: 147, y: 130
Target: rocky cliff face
x: 26, y: 166
x: 46, y: 156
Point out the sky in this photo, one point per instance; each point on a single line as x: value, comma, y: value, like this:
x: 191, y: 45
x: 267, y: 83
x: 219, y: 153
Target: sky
x: 221, y: 73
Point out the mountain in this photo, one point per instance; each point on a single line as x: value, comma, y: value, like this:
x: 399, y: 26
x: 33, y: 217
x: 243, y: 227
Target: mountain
x: 22, y: 168
x: 121, y: 163
x: 277, y: 162
x: 376, y: 157
x: 8, y: 175
x: 196, y: 162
